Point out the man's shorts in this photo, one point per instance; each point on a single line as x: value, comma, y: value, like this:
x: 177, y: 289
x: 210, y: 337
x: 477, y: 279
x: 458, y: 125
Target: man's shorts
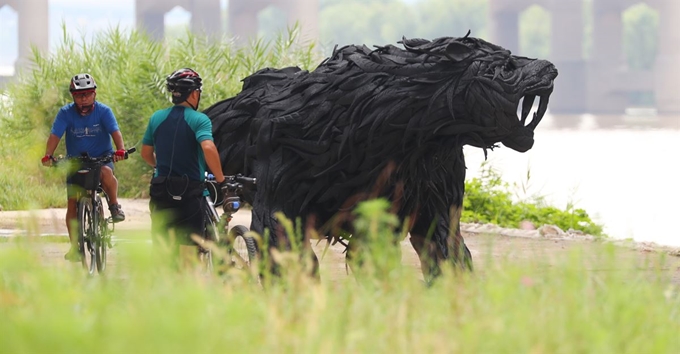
x: 177, y: 221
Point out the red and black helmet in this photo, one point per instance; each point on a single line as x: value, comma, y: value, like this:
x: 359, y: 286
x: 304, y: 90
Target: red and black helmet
x: 181, y: 83
x: 82, y: 82
x: 184, y: 80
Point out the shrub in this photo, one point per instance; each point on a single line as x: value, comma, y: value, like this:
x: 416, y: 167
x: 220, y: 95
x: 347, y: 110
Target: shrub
x: 488, y: 199
x: 130, y: 70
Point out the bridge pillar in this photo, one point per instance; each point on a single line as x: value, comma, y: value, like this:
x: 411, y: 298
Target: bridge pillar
x: 205, y: 16
x: 666, y: 68
x: 306, y: 12
x: 566, y: 46
x: 504, y: 22
x: 33, y: 28
x: 607, y: 65
x: 243, y: 17
x: 567, y: 55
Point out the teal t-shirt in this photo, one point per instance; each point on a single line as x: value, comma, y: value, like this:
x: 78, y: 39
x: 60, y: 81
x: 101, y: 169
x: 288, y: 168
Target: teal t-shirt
x: 176, y: 134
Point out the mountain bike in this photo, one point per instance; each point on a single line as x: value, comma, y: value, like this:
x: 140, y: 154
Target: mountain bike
x: 241, y: 248
x: 94, y: 230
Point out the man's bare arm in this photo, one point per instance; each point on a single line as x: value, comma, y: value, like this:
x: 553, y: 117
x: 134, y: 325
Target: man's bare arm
x: 52, y: 143
x: 118, y: 140
x: 212, y: 158
x: 148, y: 155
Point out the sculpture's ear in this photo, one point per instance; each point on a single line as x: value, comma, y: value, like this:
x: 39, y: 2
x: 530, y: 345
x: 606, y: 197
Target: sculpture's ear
x: 457, y: 51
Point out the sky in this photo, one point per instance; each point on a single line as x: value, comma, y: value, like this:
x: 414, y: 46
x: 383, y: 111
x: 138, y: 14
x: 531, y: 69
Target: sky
x: 80, y: 17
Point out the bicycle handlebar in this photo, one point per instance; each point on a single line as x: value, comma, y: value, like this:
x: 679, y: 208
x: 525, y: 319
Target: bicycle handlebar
x: 242, y: 179
x: 86, y: 158
x: 231, y: 188
x: 233, y: 181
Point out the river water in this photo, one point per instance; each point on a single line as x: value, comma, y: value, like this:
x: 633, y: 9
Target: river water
x: 623, y: 170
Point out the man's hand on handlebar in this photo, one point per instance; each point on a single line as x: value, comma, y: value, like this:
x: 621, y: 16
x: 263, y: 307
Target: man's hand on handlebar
x: 120, y: 154
x: 220, y: 190
x: 47, y: 160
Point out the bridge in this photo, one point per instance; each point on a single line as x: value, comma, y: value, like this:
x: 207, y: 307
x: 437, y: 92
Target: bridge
x: 600, y: 85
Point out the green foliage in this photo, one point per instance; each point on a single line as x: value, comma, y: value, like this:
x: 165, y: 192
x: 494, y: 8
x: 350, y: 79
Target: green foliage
x: 566, y: 305
x: 587, y: 28
x: 642, y: 22
x: 377, y: 238
x: 130, y: 69
x: 360, y: 22
x: 488, y: 199
x: 450, y: 18
x: 380, y: 22
x: 534, y: 32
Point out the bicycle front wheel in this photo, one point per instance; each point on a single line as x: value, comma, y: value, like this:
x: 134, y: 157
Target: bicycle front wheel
x: 100, y: 235
x: 212, y: 239
x: 243, y: 248
x: 86, y: 232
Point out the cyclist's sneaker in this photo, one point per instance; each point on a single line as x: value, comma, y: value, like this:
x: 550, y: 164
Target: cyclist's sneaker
x: 73, y: 255
x: 117, y: 214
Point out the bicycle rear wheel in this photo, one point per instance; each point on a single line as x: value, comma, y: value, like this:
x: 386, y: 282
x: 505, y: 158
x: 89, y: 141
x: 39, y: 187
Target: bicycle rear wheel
x: 99, y: 237
x: 243, y: 248
x: 86, y: 232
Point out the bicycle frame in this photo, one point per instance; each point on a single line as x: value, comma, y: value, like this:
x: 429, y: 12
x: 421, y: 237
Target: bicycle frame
x: 93, y: 229
x: 223, y: 235
x: 94, y: 234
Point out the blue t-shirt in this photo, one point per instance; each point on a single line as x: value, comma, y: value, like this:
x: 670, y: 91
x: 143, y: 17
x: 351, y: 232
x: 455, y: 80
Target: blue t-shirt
x: 176, y: 134
x: 90, y: 133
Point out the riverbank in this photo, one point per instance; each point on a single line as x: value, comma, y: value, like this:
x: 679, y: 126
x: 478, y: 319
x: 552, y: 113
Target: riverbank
x: 50, y: 222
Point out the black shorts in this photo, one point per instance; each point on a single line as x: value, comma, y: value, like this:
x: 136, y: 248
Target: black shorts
x: 177, y: 212
x: 176, y: 222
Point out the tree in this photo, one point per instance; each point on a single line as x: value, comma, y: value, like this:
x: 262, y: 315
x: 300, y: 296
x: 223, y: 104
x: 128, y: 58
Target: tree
x: 641, y: 24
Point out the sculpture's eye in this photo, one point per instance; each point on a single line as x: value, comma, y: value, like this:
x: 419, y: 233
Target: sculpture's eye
x: 509, y: 66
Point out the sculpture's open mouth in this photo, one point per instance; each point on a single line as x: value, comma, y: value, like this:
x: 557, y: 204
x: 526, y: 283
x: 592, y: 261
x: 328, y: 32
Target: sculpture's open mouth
x: 522, y: 138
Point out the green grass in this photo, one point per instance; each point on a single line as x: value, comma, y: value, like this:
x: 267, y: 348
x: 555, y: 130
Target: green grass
x: 589, y: 298
x: 36, y: 239
x: 571, y: 306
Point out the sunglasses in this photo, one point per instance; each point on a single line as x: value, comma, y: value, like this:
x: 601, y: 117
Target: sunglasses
x: 83, y: 94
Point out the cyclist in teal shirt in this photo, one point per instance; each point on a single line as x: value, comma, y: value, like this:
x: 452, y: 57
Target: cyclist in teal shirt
x: 89, y: 126
x: 178, y: 143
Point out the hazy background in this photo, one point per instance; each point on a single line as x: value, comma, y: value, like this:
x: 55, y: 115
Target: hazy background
x: 623, y: 169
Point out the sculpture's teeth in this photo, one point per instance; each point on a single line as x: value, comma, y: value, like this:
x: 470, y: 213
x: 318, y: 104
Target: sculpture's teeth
x: 542, y: 108
x: 526, y: 107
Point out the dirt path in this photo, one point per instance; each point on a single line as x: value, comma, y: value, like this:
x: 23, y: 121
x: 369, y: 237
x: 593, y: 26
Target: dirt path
x: 486, y: 243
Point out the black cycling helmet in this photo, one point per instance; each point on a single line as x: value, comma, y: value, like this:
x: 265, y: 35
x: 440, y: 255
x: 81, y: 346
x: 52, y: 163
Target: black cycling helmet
x: 181, y: 83
x: 82, y: 82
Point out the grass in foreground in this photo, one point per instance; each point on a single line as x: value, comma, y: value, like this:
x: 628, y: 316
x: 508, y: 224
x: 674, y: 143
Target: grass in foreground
x: 578, y: 303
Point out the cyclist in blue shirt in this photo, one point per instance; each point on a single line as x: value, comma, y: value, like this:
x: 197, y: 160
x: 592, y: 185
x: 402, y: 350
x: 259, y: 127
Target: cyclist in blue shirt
x: 178, y: 143
x: 89, y: 126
